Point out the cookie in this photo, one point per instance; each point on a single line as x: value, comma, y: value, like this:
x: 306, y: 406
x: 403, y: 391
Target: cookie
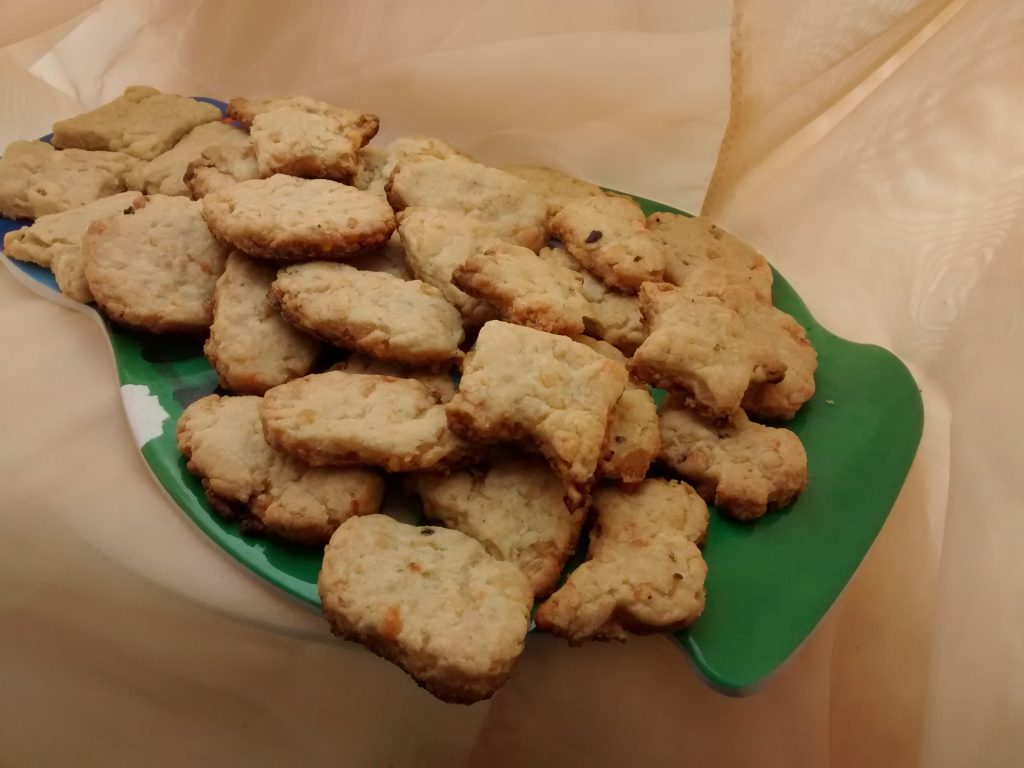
x: 694, y: 242
x: 609, y: 314
x: 435, y: 243
x: 460, y: 185
x: 519, y: 383
x: 142, y: 123
x: 165, y: 173
x: 343, y: 419
x: 770, y: 326
x: 55, y: 241
x: 701, y: 347
x: 274, y: 493
x: 305, y: 137
x: 375, y: 164
x: 656, y: 505
x: 782, y: 399
x: 644, y: 572
x: 514, y: 507
x: 251, y: 346
x: 291, y: 219
x: 155, y: 266
x: 741, y: 467
x: 633, y: 441
x: 430, y: 600
x: 440, y: 382
x: 36, y: 179
x: 220, y: 167
x: 403, y: 320
x: 525, y: 288
x: 608, y: 236
x: 389, y: 259
x: 555, y: 187
x: 246, y: 110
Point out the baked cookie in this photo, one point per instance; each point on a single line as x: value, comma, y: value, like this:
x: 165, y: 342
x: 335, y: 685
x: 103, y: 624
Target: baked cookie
x: 782, y: 399
x: 375, y: 164
x: 339, y: 418
x: 435, y: 243
x: 55, y: 241
x: 607, y: 235
x: 609, y: 314
x: 633, y: 441
x: 165, y: 173
x: 703, y: 347
x: 526, y: 288
x: 271, y: 491
x: 389, y: 259
x: 155, y: 266
x: 694, y: 242
x: 519, y: 383
x: 741, y: 467
x: 644, y: 572
x: 555, y: 187
x: 305, y: 137
x: 514, y: 507
x: 440, y: 383
x: 143, y: 123
x: 460, y: 185
x: 291, y: 219
x: 374, y: 312
x: 655, y: 505
x: 36, y: 179
x: 428, y: 599
x: 220, y: 167
x: 251, y: 346
x: 771, y: 327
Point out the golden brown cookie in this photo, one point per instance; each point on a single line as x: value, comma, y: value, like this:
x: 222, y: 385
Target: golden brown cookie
x: 55, y: 241
x: 155, y: 266
x: 36, y: 179
x: 344, y: 419
x: 291, y: 219
x: 376, y: 164
x: 609, y: 315
x: 742, y: 467
x: 222, y: 440
x: 300, y: 136
x: 430, y: 600
x: 143, y: 122
x: 220, y: 167
x: 435, y: 243
x: 633, y: 441
x: 514, y: 506
x: 702, y: 347
x: 519, y: 383
x: 165, y: 173
x: 403, y: 320
x: 251, y: 346
x: 459, y: 185
x: 525, y: 288
x: 644, y: 572
x: 609, y: 237
x: 693, y: 242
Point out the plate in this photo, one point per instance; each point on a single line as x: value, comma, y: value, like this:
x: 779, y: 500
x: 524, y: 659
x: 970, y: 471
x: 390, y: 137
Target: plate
x: 769, y: 582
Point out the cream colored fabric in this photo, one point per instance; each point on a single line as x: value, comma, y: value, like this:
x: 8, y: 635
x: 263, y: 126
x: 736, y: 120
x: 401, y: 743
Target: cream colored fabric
x: 876, y: 161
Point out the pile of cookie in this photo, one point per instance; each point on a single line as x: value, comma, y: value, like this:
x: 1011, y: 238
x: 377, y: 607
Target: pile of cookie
x: 282, y: 234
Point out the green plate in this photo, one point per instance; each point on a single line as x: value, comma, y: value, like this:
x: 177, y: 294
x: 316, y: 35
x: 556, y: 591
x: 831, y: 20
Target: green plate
x: 769, y: 582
